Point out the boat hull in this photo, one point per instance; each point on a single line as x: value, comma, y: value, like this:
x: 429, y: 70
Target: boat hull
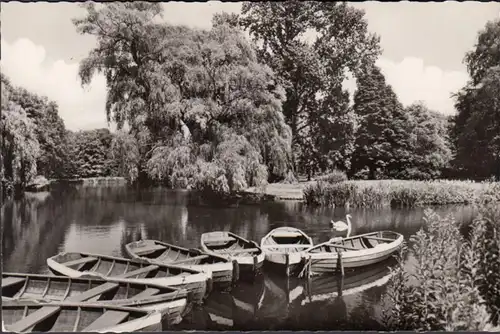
x: 199, y: 285
x: 247, y: 254
x: 327, y: 262
x: 287, y: 263
x: 171, y: 303
x: 222, y: 272
x: 62, y: 317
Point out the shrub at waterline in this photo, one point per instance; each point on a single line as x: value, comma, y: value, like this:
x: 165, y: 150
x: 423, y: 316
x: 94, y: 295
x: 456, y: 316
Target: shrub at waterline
x: 450, y: 285
x: 372, y: 194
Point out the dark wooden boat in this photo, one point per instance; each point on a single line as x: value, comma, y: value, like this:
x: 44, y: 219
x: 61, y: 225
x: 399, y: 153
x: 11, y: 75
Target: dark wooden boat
x: 224, y: 272
x: 77, y: 265
x: 247, y: 254
x: 284, y: 248
x: 171, y: 302
x: 30, y: 316
x: 357, y: 251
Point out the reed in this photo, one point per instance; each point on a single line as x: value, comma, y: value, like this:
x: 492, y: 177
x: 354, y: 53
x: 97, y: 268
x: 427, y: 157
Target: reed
x: 452, y: 283
x: 400, y: 193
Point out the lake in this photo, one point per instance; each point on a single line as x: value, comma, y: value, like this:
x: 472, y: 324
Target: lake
x: 104, y: 219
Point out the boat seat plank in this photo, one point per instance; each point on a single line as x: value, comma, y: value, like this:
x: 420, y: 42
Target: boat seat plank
x: 287, y: 246
x: 149, y: 249
x: 195, y: 258
x: 345, y: 247
x: 8, y: 281
x: 34, y: 318
x: 139, y: 271
x: 380, y: 239
x: 107, y: 319
x: 218, y: 239
x: 98, y: 290
x: 146, y: 293
x: 244, y: 250
x: 286, y: 235
x: 79, y: 261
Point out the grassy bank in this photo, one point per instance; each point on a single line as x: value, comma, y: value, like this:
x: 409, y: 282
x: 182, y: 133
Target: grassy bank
x: 382, y: 193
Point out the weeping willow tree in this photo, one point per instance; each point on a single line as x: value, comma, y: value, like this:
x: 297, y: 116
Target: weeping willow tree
x: 201, y: 111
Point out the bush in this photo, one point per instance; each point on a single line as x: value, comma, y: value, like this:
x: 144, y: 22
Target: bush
x: 333, y: 177
x: 445, y: 288
x: 400, y: 193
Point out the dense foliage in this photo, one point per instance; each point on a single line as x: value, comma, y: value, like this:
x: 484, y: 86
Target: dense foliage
x: 203, y: 111
x: 312, y: 46
x: 476, y: 131
x: 89, y: 154
x: 20, y: 148
x: 453, y: 283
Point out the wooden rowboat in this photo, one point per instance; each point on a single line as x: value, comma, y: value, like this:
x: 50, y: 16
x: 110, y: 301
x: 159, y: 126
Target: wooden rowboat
x: 30, y: 316
x: 357, y: 251
x: 171, y: 302
x: 77, y: 265
x: 284, y: 248
x: 247, y: 254
x: 224, y: 272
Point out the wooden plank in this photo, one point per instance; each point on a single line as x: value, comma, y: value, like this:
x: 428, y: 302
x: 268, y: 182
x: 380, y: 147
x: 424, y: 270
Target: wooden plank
x: 8, y: 281
x: 80, y: 261
x: 247, y: 250
x: 148, y: 249
x: 287, y: 246
x: 107, y: 319
x: 146, y: 293
x: 380, y: 239
x: 34, y: 318
x: 218, y: 239
x: 98, y: 290
x: 199, y: 257
x: 139, y: 271
x: 345, y: 247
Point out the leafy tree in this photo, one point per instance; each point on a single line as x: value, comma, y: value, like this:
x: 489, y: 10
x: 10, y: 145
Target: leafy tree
x: 429, y: 145
x: 195, y: 101
x: 316, y: 106
x: 49, y: 128
x: 90, y: 154
x: 476, y: 130
x: 19, y: 145
x: 382, y: 147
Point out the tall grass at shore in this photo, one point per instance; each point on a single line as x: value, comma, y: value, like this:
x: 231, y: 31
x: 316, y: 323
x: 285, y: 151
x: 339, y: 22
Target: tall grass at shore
x: 453, y: 284
x: 402, y: 193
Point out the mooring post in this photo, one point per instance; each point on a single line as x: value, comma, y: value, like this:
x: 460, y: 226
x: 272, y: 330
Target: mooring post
x: 287, y: 265
x: 340, y: 264
x: 309, y: 266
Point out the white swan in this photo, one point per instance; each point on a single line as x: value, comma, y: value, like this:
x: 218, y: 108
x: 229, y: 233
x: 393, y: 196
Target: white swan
x: 340, y: 226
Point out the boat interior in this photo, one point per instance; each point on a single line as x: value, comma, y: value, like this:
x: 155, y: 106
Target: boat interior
x: 60, y: 288
x: 171, y: 254
x: 224, y: 243
x: 68, y: 318
x: 359, y: 242
x: 117, y: 267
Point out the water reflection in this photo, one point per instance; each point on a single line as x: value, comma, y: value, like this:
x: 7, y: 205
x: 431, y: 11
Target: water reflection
x: 104, y: 219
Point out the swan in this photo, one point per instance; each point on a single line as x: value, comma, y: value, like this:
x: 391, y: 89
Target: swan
x: 340, y: 226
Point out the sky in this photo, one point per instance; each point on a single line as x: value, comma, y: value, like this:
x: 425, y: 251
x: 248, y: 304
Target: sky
x: 423, y: 49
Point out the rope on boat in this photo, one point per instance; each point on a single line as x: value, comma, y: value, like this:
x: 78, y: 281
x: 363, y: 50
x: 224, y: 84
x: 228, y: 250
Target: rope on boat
x: 306, y: 270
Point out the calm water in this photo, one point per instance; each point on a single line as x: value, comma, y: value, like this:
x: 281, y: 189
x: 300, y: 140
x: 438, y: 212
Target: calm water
x: 104, y: 219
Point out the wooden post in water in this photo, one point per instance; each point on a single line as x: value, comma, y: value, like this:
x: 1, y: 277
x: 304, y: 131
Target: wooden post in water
x: 340, y: 264
x: 287, y: 264
x: 309, y: 267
